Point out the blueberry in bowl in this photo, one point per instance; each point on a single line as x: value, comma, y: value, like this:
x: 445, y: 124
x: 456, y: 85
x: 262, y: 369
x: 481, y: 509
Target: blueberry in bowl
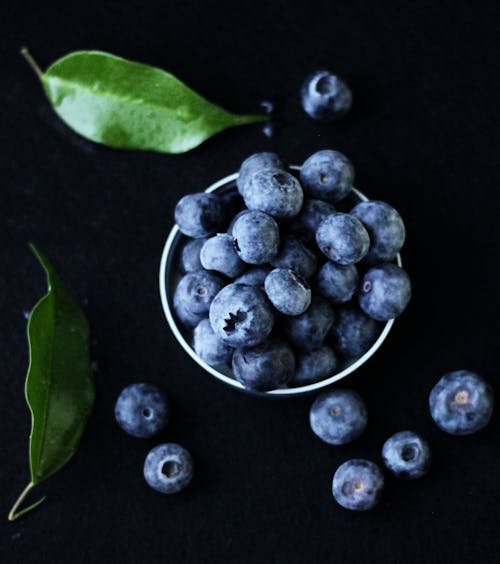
x: 289, y: 294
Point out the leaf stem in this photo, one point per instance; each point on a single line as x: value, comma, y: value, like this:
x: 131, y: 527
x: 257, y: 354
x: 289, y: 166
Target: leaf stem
x: 14, y: 514
x: 31, y: 61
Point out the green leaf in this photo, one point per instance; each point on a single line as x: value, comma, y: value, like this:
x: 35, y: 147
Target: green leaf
x: 59, y: 385
x: 130, y: 105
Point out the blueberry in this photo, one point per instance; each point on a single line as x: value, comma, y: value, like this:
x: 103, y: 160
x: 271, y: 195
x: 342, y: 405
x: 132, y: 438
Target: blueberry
x: 336, y: 282
x: 325, y: 96
x: 353, y: 332
x: 288, y: 291
x: 295, y: 256
x: 385, y: 292
x: 218, y: 254
x: 210, y: 347
x: 342, y: 238
x: 254, y: 277
x: 142, y: 410
x: 264, y: 367
x: 274, y: 192
x: 327, y: 175
x: 200, y: 215
x: 235, y: 219
x: 314, y: 366
x: 313, y: 212
x: 168, y: 468
x: 385, y: 227
x: 358, y: 484
x: 256, y: 237
x: 407, y: 455
x: 190, y: 255
x: 196, y: 290
x: 255, y: 162
x: 241, y: 315
x: 308, y: 331
x: 461, y: 402
x: 186, y: 317
x: 338, y: 417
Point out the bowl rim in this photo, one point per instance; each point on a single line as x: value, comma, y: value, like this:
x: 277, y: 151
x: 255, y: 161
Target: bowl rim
x: 280, y: 392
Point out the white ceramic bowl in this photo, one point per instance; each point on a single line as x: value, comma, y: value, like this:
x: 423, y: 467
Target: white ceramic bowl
x: 169, y: 276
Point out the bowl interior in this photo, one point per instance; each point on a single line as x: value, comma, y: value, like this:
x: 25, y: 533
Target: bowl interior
x: 169, y: 278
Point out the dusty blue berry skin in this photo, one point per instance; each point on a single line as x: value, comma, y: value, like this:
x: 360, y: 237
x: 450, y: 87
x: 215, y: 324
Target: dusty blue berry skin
x: 196, y: 290
x: 241, y: 315
x: 287, y: 291
x: 461, y: 403
x: 327, y: 175
x: 325, y: 96
x: 200, y: 215
x: 407, y: 455
x: 254, y: 277
x: 209, y: 346
x: 314, y: 366
x: 218, y: 254
x: 385, y: 292
x: 190, y: 255
x: 265, y: 367
x: 254, y: 163
x: 142, y: 410
x: 338, y: 417
x: 256, y: 237
x: 295, y: 256
x: 313, y: 212
x: 308, y: 330
x: 235, y: 219
x: 275, y: 192
x: 336, y: 282
x: 385, y: 227
x: 353, y: 332
x: 342, y: 238
x: 168, y: 468
x: 358, y: 485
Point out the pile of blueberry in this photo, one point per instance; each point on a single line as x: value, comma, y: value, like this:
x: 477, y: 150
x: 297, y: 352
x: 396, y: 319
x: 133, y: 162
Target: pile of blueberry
x: 461, y: 403
x: 142, y: 410
x: 291, y: 275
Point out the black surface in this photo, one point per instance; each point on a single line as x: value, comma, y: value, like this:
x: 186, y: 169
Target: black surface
x: 423, y: 135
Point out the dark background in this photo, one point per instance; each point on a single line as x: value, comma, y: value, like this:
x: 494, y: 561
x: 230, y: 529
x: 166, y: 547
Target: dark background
x: 423, y: 135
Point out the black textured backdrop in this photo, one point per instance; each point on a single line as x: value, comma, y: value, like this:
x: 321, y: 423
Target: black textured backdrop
x: 423, y: 135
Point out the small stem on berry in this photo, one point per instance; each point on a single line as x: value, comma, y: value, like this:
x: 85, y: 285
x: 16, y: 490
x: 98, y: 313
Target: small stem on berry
x: 14, y: 514
x: 31, y: 61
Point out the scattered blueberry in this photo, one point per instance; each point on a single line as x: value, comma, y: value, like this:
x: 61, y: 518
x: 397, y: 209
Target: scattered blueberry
x: 336, y: 282
x: 254, y: 277
x: 275, y: 192
x: 264, y: 367
x: 325, y: 96
x: 269, y: 129
x: 295, y: 256
x: 254, y: 163
x: 342, y: 238
x: 338, y: 417
x: 256, y: 237
x: 407, y: 455
x: 196, y: 290
x: 353, y: 332
x: 142, y: 410
x: 218, y: 254
x: 267, y: 106
x: 241, y: 315
x: 461, y: 402
x: 168, y: 468
x: 200, y: 215
x: 327, y: 175
x: 385, y: 292
x: 385, y: 227
x: 209, y: 346
x: 306, y: 224
x: 190, y: 255
x: 308, y: 330
x: 314, y: 366
x: 288, y: 291
x: 358, y: 484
